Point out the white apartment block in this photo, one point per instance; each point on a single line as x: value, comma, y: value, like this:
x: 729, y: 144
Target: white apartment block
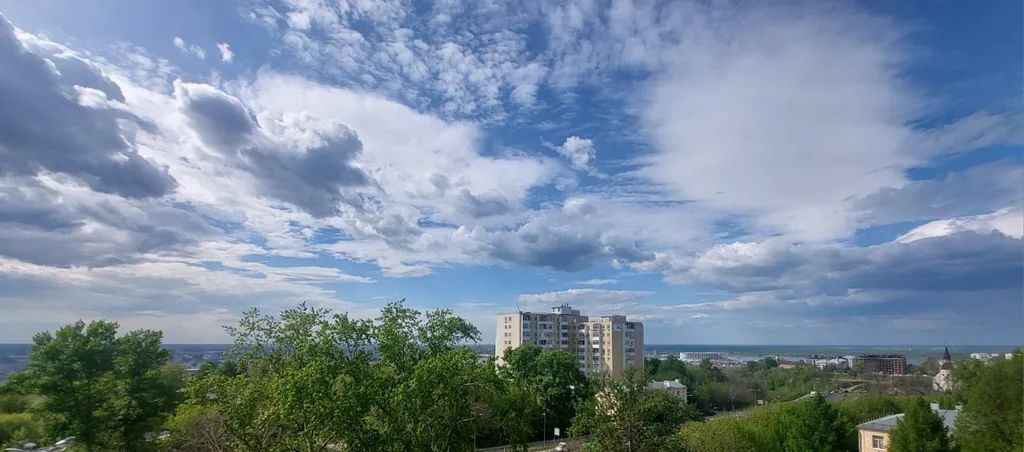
x: 606, y: 344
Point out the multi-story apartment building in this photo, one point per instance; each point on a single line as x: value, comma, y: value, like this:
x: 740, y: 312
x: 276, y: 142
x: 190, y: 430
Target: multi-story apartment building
x: 606, y: 344
x: 885, y: 364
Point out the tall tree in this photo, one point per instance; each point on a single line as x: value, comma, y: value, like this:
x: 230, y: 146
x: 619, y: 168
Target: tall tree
x: 920, y: 430
x: 993, y: 412
x: 304, y: 383
x: 104, y: 390
x: 559, y: 384
x: 143, y: 394
x: 625, y: 416
x: 815, y: 426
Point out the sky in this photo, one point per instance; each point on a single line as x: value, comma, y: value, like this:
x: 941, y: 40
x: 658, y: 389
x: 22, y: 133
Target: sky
x: 726, y: 171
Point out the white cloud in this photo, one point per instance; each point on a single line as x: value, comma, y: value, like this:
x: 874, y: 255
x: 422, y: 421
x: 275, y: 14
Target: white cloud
x: 969, y: 133
x: 226, y: 55
x: 1008, y: 221
x: 585, y: 298
x: 193, y: 49
x: 598, y: 282
x: 755, y: 110
x: 579, y: 151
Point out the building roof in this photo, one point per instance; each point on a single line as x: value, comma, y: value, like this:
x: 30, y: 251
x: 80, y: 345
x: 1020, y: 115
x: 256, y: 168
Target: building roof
x: 666, y: 384
x: 886, y: 423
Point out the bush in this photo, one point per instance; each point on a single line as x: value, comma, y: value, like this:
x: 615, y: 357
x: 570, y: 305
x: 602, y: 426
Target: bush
x: 14, y: 403
x: 17, y: 427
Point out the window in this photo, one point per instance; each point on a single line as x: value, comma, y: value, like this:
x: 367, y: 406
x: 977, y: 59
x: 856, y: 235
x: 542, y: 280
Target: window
x: 878, y: 442
x: 564, y: 327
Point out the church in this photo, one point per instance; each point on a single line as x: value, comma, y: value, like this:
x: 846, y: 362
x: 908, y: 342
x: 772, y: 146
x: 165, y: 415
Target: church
x: 943, y: 380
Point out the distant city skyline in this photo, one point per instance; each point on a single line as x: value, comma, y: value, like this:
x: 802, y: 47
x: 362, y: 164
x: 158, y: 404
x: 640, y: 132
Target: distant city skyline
x: 785, y: 173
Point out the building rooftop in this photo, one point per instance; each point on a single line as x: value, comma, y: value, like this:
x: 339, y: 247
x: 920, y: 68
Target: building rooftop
x: 666, y: 384
x: 887, y: 423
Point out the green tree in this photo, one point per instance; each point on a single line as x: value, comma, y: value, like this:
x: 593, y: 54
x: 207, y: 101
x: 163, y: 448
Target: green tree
x: 625, y: 416
x: 557, y: 381
x: 920, y: 430
x: 865, y: 407
x: 651, y: 366
x: 515, y: 409
x: 72, y: 370
x: 143, y: 393
x: 815, y: 426
x: 993, y: 412
x: 17, y: 427
x: 438, y: 407
x: 196, y: 428
x: 430, y: 391
x: 304, y: 383
x: 763, y: 429
x: 104, y: 390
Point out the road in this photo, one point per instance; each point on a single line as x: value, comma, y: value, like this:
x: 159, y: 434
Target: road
x: 574, y: 444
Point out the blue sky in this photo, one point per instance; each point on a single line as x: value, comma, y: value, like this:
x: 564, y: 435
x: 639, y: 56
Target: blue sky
x: 727, y: 172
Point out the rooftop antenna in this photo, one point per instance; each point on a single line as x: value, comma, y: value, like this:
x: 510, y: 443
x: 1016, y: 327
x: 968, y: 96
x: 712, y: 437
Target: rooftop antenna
x: 517, y: 308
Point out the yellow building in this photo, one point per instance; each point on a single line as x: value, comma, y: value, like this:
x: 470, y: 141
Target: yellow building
x: 873, y: 435
x: 606, y: 344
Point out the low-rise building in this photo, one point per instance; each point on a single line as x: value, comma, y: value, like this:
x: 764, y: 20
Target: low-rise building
x: 836, y: 362
x: 696, y: 357
x: 873, y: 435
x: 673, y: 387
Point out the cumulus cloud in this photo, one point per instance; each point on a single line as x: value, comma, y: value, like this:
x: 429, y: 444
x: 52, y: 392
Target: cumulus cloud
x: 1008, y: 221
x: 226, y: 55
x: 45, y: 128
x: 61, y: 224
x: 972, y: 257
x: 297, y: 158
x: 579, y: 151
x: 745, y: 188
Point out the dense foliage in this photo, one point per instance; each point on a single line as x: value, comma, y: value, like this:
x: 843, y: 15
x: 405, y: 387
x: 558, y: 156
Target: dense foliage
x: 993, y: 412
x: 715, y: 389
x: 108, y: 392
x: 625, y: 416
x: 807, y: 425
x: 920, y: 430
x: 312, y: 380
